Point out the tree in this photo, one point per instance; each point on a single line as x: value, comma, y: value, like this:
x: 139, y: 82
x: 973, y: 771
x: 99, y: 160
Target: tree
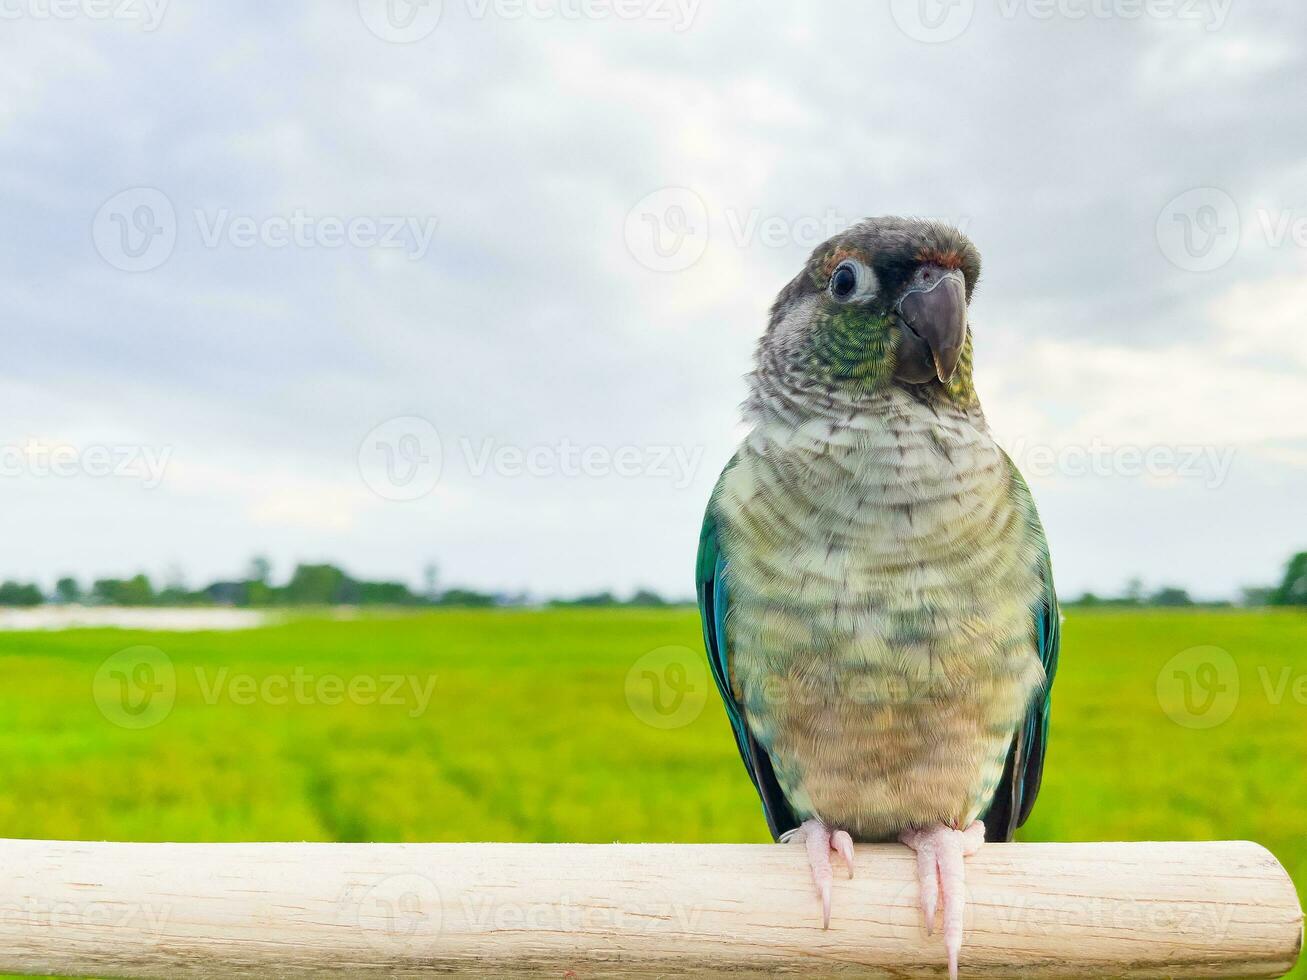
x: 597, y: 599
x: 320, y: 585
x: 20, y: 594
x: 260, y: 569
x: 174, y: 591
x: 1170, y: 596
x: 385, y: 594
x: 467, y: 597
x: 67, y: 590
x: 228, y: 593
x: 135, y: 591
x: 1292, y: 590
x: 260, y: 594
x: 1134, y: 591
x: 646, y: 597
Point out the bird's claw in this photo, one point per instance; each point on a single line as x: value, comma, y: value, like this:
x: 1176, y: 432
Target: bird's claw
x: 819, y: 842
x: 841, y: 841
x: 941, y: 873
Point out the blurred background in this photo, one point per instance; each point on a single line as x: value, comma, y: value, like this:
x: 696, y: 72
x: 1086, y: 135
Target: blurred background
x: 371, y: 362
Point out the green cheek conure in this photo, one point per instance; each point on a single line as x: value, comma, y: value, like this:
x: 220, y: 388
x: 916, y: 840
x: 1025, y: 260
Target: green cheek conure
x: 873, y: 578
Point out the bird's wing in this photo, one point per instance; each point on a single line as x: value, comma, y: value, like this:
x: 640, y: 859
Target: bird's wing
x: 710, y: 582
x: 1015, y: 796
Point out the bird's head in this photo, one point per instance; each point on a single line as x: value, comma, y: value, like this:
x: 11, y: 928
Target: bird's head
x: 885, y: 303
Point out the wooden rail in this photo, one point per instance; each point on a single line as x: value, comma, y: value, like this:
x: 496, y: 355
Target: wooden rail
x: 294, y: 910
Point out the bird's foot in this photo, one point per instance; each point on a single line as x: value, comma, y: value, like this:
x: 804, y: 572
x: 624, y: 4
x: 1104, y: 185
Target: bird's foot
x: 820, y: 841
x: 941, y: 872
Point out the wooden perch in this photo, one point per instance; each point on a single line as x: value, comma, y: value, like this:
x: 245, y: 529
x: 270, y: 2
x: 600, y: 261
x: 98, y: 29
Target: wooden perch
x: 291, y: 910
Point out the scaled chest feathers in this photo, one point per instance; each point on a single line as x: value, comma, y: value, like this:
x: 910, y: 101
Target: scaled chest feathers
x: 892, y: 532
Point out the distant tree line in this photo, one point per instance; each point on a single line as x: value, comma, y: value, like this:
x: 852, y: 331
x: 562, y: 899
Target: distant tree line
x: 309, y: 585
x: 1168, y: 595
x: 330, y: 585
x: 1291, y: 591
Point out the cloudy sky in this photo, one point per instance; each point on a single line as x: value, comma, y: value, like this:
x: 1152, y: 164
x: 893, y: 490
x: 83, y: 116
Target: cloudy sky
x: 477, y: 283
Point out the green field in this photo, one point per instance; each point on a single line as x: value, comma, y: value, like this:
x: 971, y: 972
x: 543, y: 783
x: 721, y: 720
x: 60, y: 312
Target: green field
x: 591, y: 725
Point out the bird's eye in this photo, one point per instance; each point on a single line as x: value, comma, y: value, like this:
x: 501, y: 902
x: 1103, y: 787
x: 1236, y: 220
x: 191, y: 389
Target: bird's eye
x: 844, y: 281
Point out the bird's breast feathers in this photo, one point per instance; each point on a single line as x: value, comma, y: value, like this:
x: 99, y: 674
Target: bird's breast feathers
x: 881, y: 574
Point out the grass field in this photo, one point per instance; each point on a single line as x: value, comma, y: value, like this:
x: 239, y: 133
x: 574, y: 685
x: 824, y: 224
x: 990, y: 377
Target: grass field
x: 591, y: 726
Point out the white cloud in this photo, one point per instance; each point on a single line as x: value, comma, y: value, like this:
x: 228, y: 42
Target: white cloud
x: 528, y: 321
x: 1267, y: 320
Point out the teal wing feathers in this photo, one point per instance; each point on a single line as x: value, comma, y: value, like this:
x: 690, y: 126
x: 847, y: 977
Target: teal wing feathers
x: 1015, y: 796
x: 714, y: 604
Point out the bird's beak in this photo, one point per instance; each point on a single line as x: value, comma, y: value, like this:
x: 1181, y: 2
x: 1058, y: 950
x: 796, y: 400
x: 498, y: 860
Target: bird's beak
x: 936, y: 312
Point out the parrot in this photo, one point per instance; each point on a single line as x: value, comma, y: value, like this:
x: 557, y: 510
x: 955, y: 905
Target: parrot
x: 873, y: 579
